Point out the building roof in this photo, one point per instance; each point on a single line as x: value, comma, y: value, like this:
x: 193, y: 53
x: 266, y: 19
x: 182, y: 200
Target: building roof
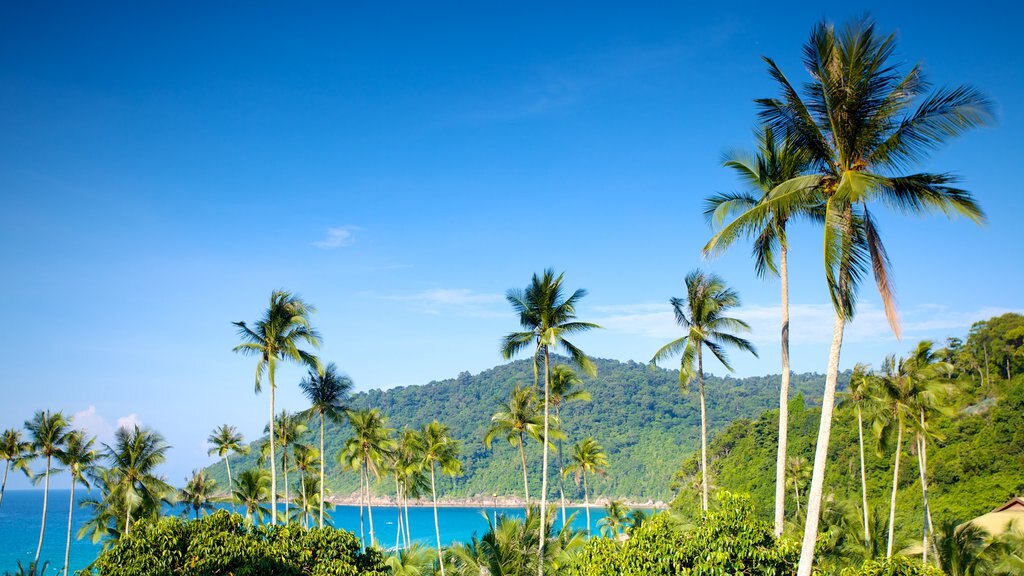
x: 1003, y: 519
x: 1015, y: 503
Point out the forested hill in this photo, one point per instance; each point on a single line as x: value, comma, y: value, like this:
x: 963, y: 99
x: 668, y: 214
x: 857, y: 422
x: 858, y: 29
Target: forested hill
x: 639, y: 414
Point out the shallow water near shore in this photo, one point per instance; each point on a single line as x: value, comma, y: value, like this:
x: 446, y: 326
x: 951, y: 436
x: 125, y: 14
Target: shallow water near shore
x: 21, y: 509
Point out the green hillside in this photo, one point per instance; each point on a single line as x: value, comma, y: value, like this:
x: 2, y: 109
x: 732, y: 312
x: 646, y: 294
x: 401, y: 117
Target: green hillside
x: 638, y: 413
x: 977, y: 466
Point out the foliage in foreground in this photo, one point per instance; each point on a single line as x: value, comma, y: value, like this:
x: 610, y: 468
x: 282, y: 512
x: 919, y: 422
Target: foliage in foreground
x: 225, y: 543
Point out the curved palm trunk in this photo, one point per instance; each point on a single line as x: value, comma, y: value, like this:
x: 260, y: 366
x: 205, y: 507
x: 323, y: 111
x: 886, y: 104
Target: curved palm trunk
x: 544, y: 468
x: 362, y: 530
x: 922, y: 460
x: 305, y: 503
x: 369, y: 504
x: 273, y: 455
x: 863, y: 477
x: 526, y: 479
x: 408, y: 533
x: 780, y: 459
x: 284, y: 467
x: 3, y: 487
x: 46, y: 494
x: 227, y: 458
x: 586, y: 501
x: 323, y: 457
x: 821, y: 450
x: 561, y: 477
x: 67, y: 544
x: 703, y: 435
x: 437, y: 526
x: 796, y: 494
x: 895, y: 479
x: 398, y: 505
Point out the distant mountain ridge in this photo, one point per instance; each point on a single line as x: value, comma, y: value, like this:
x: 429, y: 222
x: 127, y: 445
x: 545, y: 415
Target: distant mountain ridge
x: 647, y: 426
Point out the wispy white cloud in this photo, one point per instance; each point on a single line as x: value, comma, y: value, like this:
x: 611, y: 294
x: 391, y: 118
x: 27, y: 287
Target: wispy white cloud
x: 337, y: 238
x: 92, y: 422
x: 450, y: 300
x: 809, y: 323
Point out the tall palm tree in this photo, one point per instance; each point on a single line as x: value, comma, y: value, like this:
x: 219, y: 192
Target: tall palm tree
x: 49, y: 432
x: 328, y: 396
x: 797, y: 474
x: 565, y: 388
x: 197, y: 493
x: 439, y: 450
x: 276, y: 337
x: 703, y: 315
x: 371, y: 441
x: 862, y: 394
x: 286, y: 431
x: 615, y: 515
x: 412, y: 480
x: 858, y: 122
x: 588, y: 457
x: 134, y: 458
x: 515, y: 420
x: 251, y: 491
x: 307, y: 459
x: 777, y: 160
x: 226, y: 439
x: 79, y: 458
x: 14, y: 451
x: 548, y: 317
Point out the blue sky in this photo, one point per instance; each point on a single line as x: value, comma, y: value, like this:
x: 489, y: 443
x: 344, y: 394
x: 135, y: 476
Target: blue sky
x: 164, y: 168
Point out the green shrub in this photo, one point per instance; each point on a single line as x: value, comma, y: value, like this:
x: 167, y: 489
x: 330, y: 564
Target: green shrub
x: 895, y: 566
x: 727, y: 541
x: 225, y: 544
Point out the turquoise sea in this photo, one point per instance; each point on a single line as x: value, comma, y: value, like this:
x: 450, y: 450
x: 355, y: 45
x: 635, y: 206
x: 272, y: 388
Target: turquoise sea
x: 21, y: 510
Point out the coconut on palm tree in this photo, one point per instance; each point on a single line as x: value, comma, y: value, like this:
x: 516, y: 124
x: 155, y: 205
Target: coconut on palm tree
x: 79, y: 458
x: 251, y: 490
x: 439, y: 450
x: 703, y: 314
x: 197, y: 495
x: 862, y: 122
x: 548, y: 317
x: 328, y: 395
x: 14, y: 452
x: 777, y: 160
x: 516, y: 420
x: 274, y: 338
x: 365, y: 451
x: 588, y: 457
x: 224, y: 440
x: 565, y: 388
x: 49, y: 432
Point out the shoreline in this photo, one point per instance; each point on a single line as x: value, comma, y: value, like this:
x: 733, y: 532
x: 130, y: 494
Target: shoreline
x: 503, y: 502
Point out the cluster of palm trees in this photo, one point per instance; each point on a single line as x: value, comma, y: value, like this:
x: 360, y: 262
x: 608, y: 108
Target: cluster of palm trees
x: 124, y: 472
x: 830, y: 154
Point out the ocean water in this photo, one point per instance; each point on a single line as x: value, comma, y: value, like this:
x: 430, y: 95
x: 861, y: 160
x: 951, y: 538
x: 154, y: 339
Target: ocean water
x: 21, y: 510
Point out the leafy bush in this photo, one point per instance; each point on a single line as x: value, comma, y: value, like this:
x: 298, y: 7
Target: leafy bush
x: 895, y: 566
x: 729, y: 540
x: 225, y: 543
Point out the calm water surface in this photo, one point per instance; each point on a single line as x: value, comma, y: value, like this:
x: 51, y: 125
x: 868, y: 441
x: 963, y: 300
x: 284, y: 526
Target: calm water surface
x: 21, y: 510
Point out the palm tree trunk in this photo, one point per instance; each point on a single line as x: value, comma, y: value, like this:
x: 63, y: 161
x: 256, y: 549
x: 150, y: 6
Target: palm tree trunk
x: 863, y: 477
x: 408, y: 532
x: 821, y: 449
x: 780, y: 459
x: 526, y: 479
x: 362, y: 530
x: 273, y: 455
x: 227, y: 463
x: 127, y: 516
x: 561, y: 478
x: 544, y: 468
x: 586, y: 501
x: 703, y: 435
x: 284, y: 467
x: 437, y: 526
x: 46, y: 494
x: 398, y: 505
x: 305, y: 507
x: 919, y: 441
x: 895, y: 478
x: 796, y: 495
x: 322, y: 458
x: 3, y: 487
x: 67, y: 544
x: 369, y: 504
